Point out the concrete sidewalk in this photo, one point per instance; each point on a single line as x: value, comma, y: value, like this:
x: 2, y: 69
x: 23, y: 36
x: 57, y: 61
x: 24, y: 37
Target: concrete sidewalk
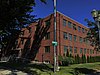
x: 14, y: 72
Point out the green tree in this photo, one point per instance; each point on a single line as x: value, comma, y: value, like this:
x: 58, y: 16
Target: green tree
x: 88, y: 59
x: 67, y: 53
x: 14, y: 15
x: 93, y: 33
x: 78, y: 59
x: 84, y: 59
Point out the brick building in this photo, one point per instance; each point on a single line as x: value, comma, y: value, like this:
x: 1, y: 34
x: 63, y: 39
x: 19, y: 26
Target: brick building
x: 70, y: 36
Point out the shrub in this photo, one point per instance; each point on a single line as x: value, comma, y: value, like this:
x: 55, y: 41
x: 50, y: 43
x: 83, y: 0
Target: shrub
x: 66, y: 60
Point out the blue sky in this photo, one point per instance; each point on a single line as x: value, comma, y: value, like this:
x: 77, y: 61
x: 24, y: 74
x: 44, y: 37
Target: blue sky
x: 76, y: 9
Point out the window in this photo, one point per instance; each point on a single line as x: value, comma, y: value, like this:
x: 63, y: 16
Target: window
x: 47, y: 49
x: 81, y: 49
x: 83, y: 30
x: 47, y: 36
x: 75, y: 49
x: 87, y: 51
x: 79, y: 28
x: 84, y: 50
x: 64, y: 22
x: 47, y: 61
x: 70, y: 37
x: 65, y: 49
x: 22, y: 33
x: 84, y: 40
x: 70, y: 49
x: 75, y: 38
x: 69, y: 24
x: 30, y: 30
x: 47, y: 22
x: 22, y: 41
x: 65, y: 36
x: 74, y: 27
x: 16, y: 42
x: 91, y: 51
x: 80, y: 39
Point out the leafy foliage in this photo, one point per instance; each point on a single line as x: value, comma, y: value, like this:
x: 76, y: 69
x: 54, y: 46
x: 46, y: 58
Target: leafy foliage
x: 15, y: 15
x: 93, y: 33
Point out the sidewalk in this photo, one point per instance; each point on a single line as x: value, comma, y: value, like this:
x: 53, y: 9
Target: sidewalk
x: 14, y: 72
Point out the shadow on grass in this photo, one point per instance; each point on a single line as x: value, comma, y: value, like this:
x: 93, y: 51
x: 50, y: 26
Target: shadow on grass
x: 30, y: 68
x: 78, y: 71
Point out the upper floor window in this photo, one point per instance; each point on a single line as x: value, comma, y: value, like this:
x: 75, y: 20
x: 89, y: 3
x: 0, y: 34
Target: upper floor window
x: 75, y: 38
x: 64, y: 22
x: 70, y: 37
x: 70, y: 49
x: 65, y: 49
x: 81, y: 49
x: 47, y: 22
x: 22, y: 41
x: 74, y: 27
x: 79, y: 28
x: 84, y: 50
x: 47, y: 36
x: 75, y: 49
x: 65, y: 35
x: 80, y: 39
x: 30, y: 30
x: 91, y: 51
x: 83, y: 30
x: 88, y: 51
x: 47, y: 49
x: 69, y: 24
x: 16, y: 42
x: 22, y: 33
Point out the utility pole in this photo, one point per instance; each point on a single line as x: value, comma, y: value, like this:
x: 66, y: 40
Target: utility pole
x: 54, y: 43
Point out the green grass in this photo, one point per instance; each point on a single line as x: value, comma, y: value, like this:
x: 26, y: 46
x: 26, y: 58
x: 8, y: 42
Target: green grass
x: 43, y: 69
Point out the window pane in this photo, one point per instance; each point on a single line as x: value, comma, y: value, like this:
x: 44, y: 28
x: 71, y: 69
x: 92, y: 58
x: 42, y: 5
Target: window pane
x: 75, y: 38
x: 83, y: 30
x: 47, y: 36
x: 22, y: 41
x: 30, y: 30
x: 65, y: 36
x: 80, y: 39
x: 69, y: 24
x: 70, y: 48
x: 79, y: 28
x: 64, y: 22
x: 87, y: 51
x: 91, y: 51
x: 81, y: 49
x: 65, y: 49
x: 74, y: 27
x: 75, y: 49
x: 84, y: 50
x: 70, y: 36
x: 47, y: 22
x: 47, y: 49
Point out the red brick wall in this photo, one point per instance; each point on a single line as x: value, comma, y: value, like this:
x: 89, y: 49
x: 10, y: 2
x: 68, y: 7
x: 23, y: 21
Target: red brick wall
x: 42, y: 56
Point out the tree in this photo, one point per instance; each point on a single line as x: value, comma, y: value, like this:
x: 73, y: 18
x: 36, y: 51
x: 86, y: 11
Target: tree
x: 14, y: 15
x: 93, y: 33
x: 67, y: 54
x: 88, y: 59
x: 78, y: 59
x: 83, y: 58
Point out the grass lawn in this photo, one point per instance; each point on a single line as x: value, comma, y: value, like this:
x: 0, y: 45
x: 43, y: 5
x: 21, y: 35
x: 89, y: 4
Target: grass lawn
x: 80, y: 69
x: 43, y: 69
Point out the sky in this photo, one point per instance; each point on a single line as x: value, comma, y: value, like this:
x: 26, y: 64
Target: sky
x: 75, y: 9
